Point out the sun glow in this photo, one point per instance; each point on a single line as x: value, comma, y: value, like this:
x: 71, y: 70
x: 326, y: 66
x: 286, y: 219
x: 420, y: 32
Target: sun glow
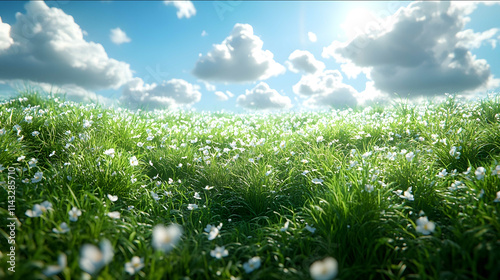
x: 359, y: 21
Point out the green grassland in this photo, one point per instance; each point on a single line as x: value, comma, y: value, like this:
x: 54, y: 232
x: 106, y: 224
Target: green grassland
x: 290, y: 188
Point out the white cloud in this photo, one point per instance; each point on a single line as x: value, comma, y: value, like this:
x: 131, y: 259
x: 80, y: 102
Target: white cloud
x: 185, y: 8
x: 239, y: 58
x: 170, y: 94
x: 325, y: 89
x: 471, y: 40
x: 221, y: 96
x: 209, y: 86
x: 304, y: 61
x: 421, y: 50
x: 48, y: 47
x: 5, y: 39
x: 204, y: 33
x: 118, y: 36
x: 312, y: 37
x: 262, y: 97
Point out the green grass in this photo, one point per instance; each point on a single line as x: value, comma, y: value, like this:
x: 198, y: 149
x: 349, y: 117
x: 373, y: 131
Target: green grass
x: 253, y: 173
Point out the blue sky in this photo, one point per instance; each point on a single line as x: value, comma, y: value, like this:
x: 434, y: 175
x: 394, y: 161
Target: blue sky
x: 249, y: 55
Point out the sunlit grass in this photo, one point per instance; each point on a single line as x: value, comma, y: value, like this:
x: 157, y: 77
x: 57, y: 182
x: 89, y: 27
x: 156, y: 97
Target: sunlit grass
x: 289, y: 188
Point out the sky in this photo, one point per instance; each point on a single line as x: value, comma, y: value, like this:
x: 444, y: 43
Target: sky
x: 249, y: 56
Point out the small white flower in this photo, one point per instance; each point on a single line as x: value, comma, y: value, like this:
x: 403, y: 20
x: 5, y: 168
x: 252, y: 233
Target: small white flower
x: 74, y: 213
x: 28, y: 119
x: 282, y: 144
x: 219, y: 252
x: 92, y: 259
x: 407, y: 195
x: 197, y: 195
x: 52, y: 270
x: 87, y: 124
x: 113, y: 198
x: 192, y: 206
x: 207, y: 188
x: 134, y: 265
x: 39, y: 209
x: 32, y: 162
x: 52, y: 154
x: 285, y: 227
x: 21, y: 158
x: 35, y: 133
x: 114, y: 215
x: 480, y: 173
x: 110, y: 152
x: 410, y: 156
x: 252, y: 264
x: 442, y: 173
x: 424, y: 226
x: 320, y: 139
x: 497, y: 199
x: 325, y: 269
x: 317, y: 181
x: 214, y: 232
x: 165, y: 238
x: 496, y: 171
x: 154, y: 195
x: 133, y: 161
x: 63, y: 228
x: 369, y: 188
x: 310, y: 228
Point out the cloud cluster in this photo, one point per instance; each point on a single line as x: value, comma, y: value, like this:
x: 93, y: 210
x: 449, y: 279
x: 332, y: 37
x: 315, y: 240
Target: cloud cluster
x: 118, y: 36
x: 262, y: 97
x: 326, y: 89
x: 420, y: 50
x: 304, y: 61
x: 185, y: 8
x: 46, y: 45
x: 239, y: 58
x: 170, y: 94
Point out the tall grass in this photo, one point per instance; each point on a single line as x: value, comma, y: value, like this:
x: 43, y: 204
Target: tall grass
x: 337, y: 179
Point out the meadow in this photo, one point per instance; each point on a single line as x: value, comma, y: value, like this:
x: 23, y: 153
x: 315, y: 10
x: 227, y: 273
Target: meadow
x: 399, y: 192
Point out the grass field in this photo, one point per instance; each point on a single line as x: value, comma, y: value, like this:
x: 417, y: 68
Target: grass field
x: 402, y: 192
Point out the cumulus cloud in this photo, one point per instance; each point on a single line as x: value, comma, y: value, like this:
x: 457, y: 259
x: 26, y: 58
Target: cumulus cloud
x: 312, y: 37
x: 209, y: 86
x: 5, y: 39
x: 239, y: 58
x: 204, y: 33
x: 185, y: 8
x: 170, y: 94
x: 262, y: 97
x: 46, y: 45
x: 304, y: 61
x: 118, y: 36
x: 326, y: 89
x: 221, y: 96
x: 421, y: 50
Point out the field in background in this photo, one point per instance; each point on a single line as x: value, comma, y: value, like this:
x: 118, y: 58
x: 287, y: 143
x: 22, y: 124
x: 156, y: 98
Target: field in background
x: 405, y: 192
